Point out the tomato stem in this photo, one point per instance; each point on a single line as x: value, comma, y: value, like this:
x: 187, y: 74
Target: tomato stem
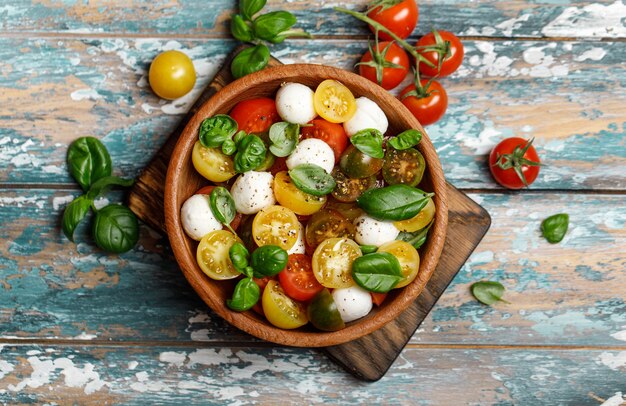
x: 515, y: 160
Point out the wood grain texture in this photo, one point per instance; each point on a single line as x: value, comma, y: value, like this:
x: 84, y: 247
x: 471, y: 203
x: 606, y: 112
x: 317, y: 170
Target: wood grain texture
x: 53, y: 91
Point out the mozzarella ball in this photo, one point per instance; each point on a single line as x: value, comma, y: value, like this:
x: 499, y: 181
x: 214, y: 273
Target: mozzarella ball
x: 367, y: 115
x: 298, y: 247
x: 312, y: 151
x: 353, y: 302
x: 252, y: 192
x: 197, y: 218
x: 370, y: 231
x: 294, y: 103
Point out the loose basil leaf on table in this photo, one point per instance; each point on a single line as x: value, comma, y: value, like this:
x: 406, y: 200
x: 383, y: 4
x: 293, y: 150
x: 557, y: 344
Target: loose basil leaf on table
x: 416, y: 239
x: 223, y: 206
x: 312, y: 179
x: 488, y: 292
x: 284, y: 138
x: 405, y: 140
x: 74, y: 213
x: 239, y: 255
x: 268, y: 260
x: 88, y: 160
x: 115, y: 229
x: 250, y: 153
x: 246, y: 295
x: 369, y: 142
x: 103, y: 185
x: 248, y: 8
x: 395, y: 202
x: 250, y: 60
x: 240, y: 28
x: 555, y: 227
x: 217, y: 129
x: 270, y: 25
x: 378, y: 272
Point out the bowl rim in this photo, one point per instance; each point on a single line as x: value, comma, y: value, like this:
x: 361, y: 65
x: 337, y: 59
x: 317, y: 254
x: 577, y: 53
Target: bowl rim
x: 243, y: 320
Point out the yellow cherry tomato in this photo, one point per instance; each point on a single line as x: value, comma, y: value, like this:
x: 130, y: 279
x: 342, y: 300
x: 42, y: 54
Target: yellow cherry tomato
x: 280, y: 309
x: 275, y: 225
x: 213, y: 257
x: 334, y: 102
x: 421, y: 220
x: 332, y: 262
x: 288, y: 195
x: 212, y: 163
x: 408, y: 257
x: 172, y: 75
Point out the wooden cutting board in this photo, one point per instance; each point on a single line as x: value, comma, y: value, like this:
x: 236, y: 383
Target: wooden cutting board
x: 370, y: 357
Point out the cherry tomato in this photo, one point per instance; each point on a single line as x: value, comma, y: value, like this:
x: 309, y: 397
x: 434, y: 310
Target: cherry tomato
x: 262, y: 282
x: 334, y: 102
x: 378, y: 298
x: 255, y: 115
x: 450, y: 63
x: 206, y: 190
x: 172, y: 75
x: 275, y: 225
x: 332, y: 262
x: 403, y: 167
x: 212, y: 255
x: 323, y: 312
x: 408, y: 257
x: 421, y: 220
x: 514, y: 163
x: 288, y: 195
x: 325, y: 224
x: 427, y: 109
x: 349, y: 210
x: 212, y: 163
x: 297, y: 278
x: 357, y: 165
x: 380, y: 69
x: 331, y: 133
x: 400, y: 19
x: 348, y: 189
x: 280, y: 309
x: 280, y: 164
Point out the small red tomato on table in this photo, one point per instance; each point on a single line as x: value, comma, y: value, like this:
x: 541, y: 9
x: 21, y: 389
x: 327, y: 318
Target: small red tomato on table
x: 514, y: 163
x: 443, y: 50
x: 399, y: 16
x: 386, y: 64
x: 428, y: 102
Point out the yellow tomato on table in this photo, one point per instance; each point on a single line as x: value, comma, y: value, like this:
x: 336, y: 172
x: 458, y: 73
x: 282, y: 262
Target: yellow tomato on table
x: 172, y: 75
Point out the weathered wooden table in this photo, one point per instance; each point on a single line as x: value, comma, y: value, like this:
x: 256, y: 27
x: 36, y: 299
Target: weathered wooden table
x: 77, y: 325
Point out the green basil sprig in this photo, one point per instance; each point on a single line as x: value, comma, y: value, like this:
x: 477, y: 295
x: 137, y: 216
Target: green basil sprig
x: 405, y: 140
x: 241, y: 29
x: 250, y: 153
x: 115, y: 228
x: 217, y: 129
x: 250, y: 60
x: 74, y: 213
x: 378, y: 272
x: 488, y: 292
x: 103, y: 185
x: 223, y: 206
x: 312, y: 179
x: 245, y: 296
x: 88, y: 160
x: 555, y: 227
x: 417, y: 238
x: 284, y: 138
x: 369, y: 142
x: 248, y: 8
x: 268, y: 260
x: 395, y: 202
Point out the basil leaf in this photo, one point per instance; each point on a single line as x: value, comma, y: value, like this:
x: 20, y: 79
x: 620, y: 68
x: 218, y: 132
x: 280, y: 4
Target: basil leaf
x: 217, y: 129
x: 115, y: 229
x: 240, y: 29
x: 250, y: 154
x: 239, y: 255
x: 312, y: 179
x: 74, y: 213
x: 555, y: 227
x: 88, y: 160
x: 268, y: 260
x: 229, y: 147
x: 269, y: 25
x: 246, y: 295
x: 378, y: 272
x: 250, y: 60
x: 223, y: 206
x: 395, y: 202
x: 405, y: 140
x: 369, y: 142
x: 368, y: 249
x: 488, y: 292
x: 239, y: 136
x: 416, y: 239
x: 290, y: 34
x: 102, y: 185
x: 284, y: 138
x: 248, y: 8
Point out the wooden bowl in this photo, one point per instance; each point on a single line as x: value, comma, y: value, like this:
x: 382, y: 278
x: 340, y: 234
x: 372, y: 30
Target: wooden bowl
x: 183, y: 181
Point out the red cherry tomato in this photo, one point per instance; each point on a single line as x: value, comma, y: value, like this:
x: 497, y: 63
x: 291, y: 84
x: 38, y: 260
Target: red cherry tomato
x: 258, y: 307
x: 206, y: 190
x: 298, y: 280
x: 427, y: 109
x: 332, y: 134
x: 400, y: 19
x: 255, y: 115
x: 280, y: 165
x: 388, y: 53
x: 514, y: 163
x: 378, y: 298
x: 450, y: 63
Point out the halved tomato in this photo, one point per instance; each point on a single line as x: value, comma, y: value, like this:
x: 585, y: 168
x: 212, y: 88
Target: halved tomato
x: 323, y: 312
x: 357, y: 165
x: 325, y: 224
x: 349, y: 189
x: 421, y: 220
x: 407, y: 256
x: 331, y: 133
x: 275, y: 225
x: 288, y: 195
x: 334, y: 102
x: 280, y: 309
x: 378, y: 298
x: 255, y: 115
x: 403, y: 167
x: 332, y: 262
x: 212, y: 255
x: 212, y: 163
x: 297, y: 278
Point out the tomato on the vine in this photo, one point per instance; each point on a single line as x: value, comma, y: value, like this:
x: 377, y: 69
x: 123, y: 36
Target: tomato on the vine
x: 399, y: 16
x: 429, y: 107
x: 255, y: 115
x: 514, y: 163
x: 386, y: 64
x: 331, y: 133
x: 436, y: 45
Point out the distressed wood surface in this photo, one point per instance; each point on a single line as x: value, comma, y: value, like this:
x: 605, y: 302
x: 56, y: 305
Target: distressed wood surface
x: 569, y: 95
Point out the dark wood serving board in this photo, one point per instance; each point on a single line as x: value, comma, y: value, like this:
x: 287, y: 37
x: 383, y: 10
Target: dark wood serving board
x: 369, y: 357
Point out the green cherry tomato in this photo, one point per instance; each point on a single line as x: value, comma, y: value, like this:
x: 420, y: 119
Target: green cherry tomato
x: 357, y: 165
x: 172, y: 75
x: 406, y: 166
x: 323, y: 313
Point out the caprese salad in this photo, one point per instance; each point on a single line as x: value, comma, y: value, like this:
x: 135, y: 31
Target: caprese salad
x: 312, y: 206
